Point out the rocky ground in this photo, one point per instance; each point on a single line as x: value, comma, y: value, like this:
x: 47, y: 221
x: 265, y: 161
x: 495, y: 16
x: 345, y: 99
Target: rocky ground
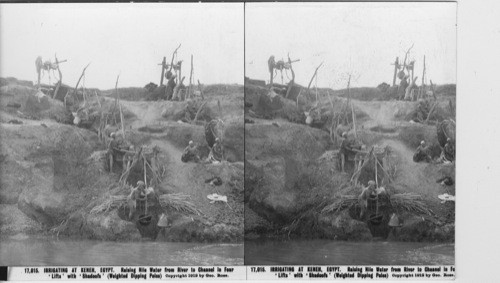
x: 292, y: 172
x: 51, y: 179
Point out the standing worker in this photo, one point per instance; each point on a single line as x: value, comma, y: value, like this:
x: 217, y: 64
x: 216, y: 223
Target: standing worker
x: 128, y: 158
x: 112, y: 147
x: 271, y: 64
x: 402, y: 87
x: 346, y: 149
x: 368, y: 192
x: 169, y: 91
x: 137, y: 194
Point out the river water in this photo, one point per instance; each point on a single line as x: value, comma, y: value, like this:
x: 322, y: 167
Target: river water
x: 327, y: 252
x: 37, y: 252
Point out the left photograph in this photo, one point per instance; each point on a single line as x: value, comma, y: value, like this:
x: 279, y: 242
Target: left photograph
x: 122, y: 134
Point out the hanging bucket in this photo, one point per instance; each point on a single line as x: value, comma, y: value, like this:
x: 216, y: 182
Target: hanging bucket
x: 394, y: 221
x: 163, y: 222
x: 401, y: 75
x: 375, y: 219
x: 145, y: 219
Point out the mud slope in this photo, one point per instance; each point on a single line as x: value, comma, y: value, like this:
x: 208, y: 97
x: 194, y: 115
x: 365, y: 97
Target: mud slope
x: 291, y: 169
x: 54, y: 174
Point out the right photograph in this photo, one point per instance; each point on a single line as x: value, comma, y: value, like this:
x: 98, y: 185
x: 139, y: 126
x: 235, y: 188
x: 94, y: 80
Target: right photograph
x: 350, y: 118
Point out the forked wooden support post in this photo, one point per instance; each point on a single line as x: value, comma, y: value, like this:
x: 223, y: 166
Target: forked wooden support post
x: 163, y: 67
x: 173, y: 56
x: 423, y: 73
x: 190, y: 90
x: 292, y: 82
x: 60, y: 78
x: 396, y: 68
x: 422, y: 87
x: 412, y: 70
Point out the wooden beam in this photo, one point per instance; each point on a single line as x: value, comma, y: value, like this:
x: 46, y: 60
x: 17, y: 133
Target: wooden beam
x: 412, y: 70
x: 77, y: 83
x: 332, y: 128
x: 312, y: 78
x: 430, y: 112
x: 173, y: 55
x: 292, y: 82
x: 163, y: 67
x: 198, y: 112
x: 190, y: 79
x: 423, y: 73
x: 81, y: 76
x: 406, y: 55
x: 180, y: 73
x: 60, y: 77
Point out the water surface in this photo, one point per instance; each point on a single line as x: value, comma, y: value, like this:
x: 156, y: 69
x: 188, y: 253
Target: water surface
x: 326, y: 252
x: 38, y: 252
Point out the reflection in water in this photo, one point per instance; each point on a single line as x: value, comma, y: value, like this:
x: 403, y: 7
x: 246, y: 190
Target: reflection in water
x: 325, y: 252
x: 37, y: 252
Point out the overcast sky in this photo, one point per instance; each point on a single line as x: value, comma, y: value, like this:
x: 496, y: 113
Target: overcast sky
x: 129, y: 38
x: 361, y: 38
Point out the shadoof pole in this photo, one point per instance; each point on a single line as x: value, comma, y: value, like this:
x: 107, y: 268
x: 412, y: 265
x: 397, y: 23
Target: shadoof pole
x: 120, y: 106
x: 292, y: 82
x: 190, y: 79
x: 423, y: 73
x: 376, y: 173
x: 312, y: 78
x: 406, y: 56
x: 180, y: 73
x: 412, y: 71
x: 423, y: 81
x: 145, y: 175
x: 81, y: 76
x: 352, y: 106
x: 76, y: 87
x: 173, y: 56
x: 163, y: 67
x: 60, y: 78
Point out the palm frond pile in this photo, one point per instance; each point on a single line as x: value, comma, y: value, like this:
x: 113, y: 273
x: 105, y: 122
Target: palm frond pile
x: 344, y: 202
x: 110, y: 203
x: 410, y: 202
x: 180, y: 202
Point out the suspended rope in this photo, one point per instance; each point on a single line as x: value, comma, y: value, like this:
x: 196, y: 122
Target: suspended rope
x: 286, y: 73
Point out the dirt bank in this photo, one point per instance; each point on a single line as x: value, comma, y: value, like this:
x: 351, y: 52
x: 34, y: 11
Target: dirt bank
x: 292, y: 174
x: 54, y: 174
